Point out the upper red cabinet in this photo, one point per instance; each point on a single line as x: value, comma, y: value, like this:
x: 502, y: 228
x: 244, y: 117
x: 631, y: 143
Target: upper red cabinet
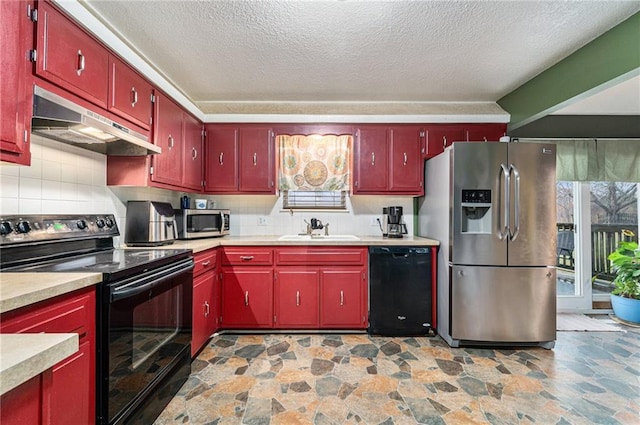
x: 485, y: 132
x: 192, y: 152
x: 388, y: 159
x: 239, y: 159
x: 167, y: 134
x: 16, y: 94
x: 69, y: 57
x: 438, y: 137
x: 129, y: 93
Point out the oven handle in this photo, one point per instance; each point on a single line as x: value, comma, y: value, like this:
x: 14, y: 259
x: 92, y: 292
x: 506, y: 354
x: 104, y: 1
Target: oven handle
x: 148, y: 282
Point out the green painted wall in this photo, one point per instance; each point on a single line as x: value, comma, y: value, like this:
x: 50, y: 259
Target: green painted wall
x: 614, y: 54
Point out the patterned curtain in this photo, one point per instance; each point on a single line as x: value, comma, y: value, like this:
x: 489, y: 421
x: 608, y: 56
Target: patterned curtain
x: 315, y: 162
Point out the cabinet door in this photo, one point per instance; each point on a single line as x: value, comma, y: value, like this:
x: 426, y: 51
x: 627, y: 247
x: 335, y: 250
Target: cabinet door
x: 204, y: 316
x: 16, y: 94
x: 72, y: 377
x: 256, y: 160
x: 485, y: 132
x: 221, y: 165
x: 407, y: 162
x: 192, y: 173
x: 296, y: 298
x: 247, y: 297
x: 167, y: 166
x: 70, y: 58
x: 342, y: 299
x: 371, y: 160
x: 23, y: 404
x: 441, y: 136
x: 129, y: 93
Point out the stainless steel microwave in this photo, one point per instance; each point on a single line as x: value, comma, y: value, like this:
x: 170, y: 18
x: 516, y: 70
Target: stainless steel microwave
x: 193, y: 224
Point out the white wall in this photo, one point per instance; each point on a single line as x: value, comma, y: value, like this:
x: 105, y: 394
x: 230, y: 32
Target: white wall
x: 64, y: 179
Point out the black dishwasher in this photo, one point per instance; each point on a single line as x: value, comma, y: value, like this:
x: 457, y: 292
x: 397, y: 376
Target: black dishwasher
x: 400, y: 291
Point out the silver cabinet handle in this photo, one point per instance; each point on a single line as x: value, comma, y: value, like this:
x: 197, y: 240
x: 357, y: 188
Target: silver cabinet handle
x: 516, y: 175
x: 297, y: 298
x: 246, y: 257
x: 134, y: 97
x: 246, y: 298
x: 341, y: 297
x: 206, y: 263
x: 80, y: 62
x: 206, y: 309
x: 255, y: 158
x: 194, y: 153
x: 405, y: 158
x: 444, y: 142
x: 373, y: 158
x: 221, y: 158
x: 170, y: 141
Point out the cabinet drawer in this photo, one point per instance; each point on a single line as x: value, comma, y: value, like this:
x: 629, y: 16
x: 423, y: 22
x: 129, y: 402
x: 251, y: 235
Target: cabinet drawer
x: 247, y: 256
x: 205, y: 261
x: 321, y: 256
x: 75, y: 314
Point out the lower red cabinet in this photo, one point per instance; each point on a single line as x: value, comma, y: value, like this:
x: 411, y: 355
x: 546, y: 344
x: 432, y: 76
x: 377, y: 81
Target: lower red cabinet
x: 23, y: 404
x: 296, y: 298
x: 247, y: 297
x: 343, y: 299
x: 206, y: 309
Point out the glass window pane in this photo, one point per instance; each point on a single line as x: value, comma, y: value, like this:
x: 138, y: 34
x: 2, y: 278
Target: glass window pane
x: 565, y: 252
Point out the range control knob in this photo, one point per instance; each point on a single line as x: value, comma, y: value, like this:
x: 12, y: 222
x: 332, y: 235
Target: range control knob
x: 5, y: 228
x: 81, y: 224
x: 100, y: 223
x: 109, y: 222
x: 23, y: 227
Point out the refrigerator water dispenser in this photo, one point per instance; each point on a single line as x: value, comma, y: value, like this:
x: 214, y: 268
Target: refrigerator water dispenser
x: 476, y: 208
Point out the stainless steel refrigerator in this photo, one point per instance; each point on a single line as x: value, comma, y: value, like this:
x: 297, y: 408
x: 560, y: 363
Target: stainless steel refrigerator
x: 492, y: 206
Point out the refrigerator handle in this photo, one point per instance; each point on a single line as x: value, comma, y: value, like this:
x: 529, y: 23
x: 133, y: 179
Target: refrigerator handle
x: 516, y: 175
x: 503, y: 232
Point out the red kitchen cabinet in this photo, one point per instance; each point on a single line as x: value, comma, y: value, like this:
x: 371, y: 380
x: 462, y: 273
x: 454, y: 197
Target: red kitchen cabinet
x: 167, y: 134
x: 247, y: 297
x: 221, y: 163
x: 388, y: 160
x: 23, y: 404
x: 407, y: 163
x: 485, y: 132
x: 343, y: 301
x: 129, y: 94
x: 296, y: 298
x: 192, y: 153
x: 371, y: 164
x: 16, y: 93
x: 206, y: 299
x: 71, y: 382
x: 69, y: 57
x: 441, y: 136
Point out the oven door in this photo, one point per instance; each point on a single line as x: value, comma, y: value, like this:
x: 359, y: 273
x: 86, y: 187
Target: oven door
x: 145, y: 335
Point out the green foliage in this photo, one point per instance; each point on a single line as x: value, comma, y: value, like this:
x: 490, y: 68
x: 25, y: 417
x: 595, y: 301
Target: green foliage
x: 625, y: 262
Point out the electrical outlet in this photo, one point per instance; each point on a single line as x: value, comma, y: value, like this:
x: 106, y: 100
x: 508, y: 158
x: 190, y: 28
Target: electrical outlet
x: 373, y: 221
x: 263, y: 220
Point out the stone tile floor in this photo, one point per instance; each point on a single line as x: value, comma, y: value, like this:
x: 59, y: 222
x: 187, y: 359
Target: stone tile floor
x: 589, y: 377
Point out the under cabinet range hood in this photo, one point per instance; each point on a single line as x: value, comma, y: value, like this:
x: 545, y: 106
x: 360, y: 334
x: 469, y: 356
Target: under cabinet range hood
x: 57, y: 118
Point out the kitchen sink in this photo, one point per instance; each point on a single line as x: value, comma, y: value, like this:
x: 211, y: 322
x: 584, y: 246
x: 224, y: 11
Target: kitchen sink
x: 320, y: 238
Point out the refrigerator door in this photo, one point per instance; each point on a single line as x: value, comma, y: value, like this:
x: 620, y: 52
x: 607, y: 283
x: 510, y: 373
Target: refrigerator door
x: 503, y: 304
x: 533, y: 205
x: 476, y: 232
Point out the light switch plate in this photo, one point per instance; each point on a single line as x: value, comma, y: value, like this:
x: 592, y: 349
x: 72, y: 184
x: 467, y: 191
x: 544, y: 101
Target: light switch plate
x: 263, y: 220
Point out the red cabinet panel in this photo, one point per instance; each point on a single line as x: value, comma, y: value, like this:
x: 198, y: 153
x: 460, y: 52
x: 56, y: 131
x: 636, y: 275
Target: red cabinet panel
x: 205, y: 310
x: 193, y: 153
x: 371, y: 164
x: 129, y: 93
x: 167, y: 166
x: 71, y: 381
x: 441, y: 136
x: 16, y: 93
x: 256, y: 160
x: 254, y: 256
x: 247, y: 297
x: 296, y: 298
x: 407, y: 163
x: 70, y: 58
x: 23, y: 404
x: 343, y: 298
x: 315, y: 255
x: 221, y: 163
x: 485, y: 132
x: 205, y: 261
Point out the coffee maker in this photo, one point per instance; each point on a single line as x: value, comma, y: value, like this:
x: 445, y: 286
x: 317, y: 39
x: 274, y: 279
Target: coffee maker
x: 395, y: 227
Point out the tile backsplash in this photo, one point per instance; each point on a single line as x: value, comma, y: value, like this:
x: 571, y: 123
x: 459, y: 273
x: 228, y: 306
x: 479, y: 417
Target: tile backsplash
x: 65, y: 179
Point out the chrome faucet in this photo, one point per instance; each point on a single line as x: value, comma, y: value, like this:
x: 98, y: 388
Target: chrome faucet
x: 316, y: 225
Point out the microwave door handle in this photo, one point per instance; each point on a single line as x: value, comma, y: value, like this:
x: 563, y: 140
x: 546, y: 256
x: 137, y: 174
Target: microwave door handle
x: 516, y: 205
x: 149, y: 282
x: 221, y: 229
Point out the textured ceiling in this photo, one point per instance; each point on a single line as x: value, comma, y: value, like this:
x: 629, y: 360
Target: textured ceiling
x: 354, y: 51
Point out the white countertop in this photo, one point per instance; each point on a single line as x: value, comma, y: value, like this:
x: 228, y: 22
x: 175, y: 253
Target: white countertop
x: 18, y: 365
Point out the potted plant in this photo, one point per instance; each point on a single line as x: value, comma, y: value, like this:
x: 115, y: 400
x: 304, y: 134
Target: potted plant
x: 625, y: 262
